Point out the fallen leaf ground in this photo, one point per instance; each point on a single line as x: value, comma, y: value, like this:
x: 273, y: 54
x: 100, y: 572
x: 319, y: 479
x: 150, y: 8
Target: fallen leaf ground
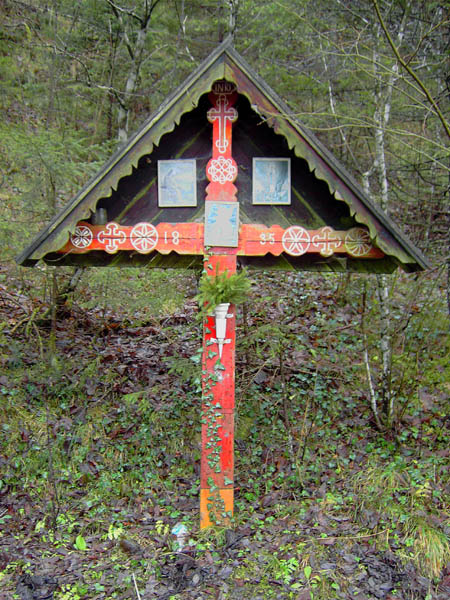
x: 100, y: 448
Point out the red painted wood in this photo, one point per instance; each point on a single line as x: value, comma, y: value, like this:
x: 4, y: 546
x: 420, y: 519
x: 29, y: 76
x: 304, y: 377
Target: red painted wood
x: 224, y: 387
x: 226, y: 435
x: 221, y: 169
x: 218, y: 391
x: 183, y: 238
x: 187, y: 238
x: 222, y: 262
x: 227, y: 193
x: 218, y: 372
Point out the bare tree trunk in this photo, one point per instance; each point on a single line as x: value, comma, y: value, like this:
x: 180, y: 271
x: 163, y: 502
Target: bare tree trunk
x: 182, y: 30
x: 448, y: 243
x: 332, y: 103
x: 52, y: 68
x: 234, y: 6
x: 113, y: 41
x: 414, y: 74
x: 372, y: 391
x: 135, y: 46
x: 123, y: 116
x: 383, y: 99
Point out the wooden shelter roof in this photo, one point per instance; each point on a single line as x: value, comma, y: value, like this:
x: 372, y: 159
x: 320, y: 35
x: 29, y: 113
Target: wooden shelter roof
x: 224, y: 63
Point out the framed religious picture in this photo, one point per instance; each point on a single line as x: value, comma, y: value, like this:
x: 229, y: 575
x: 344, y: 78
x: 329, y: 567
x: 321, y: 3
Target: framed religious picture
x: 272, y: 181
x: 221, y: 224
x: 177, y: 183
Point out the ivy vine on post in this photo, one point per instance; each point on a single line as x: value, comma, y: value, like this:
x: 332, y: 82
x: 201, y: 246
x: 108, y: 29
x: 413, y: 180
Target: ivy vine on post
x: 218, y: 293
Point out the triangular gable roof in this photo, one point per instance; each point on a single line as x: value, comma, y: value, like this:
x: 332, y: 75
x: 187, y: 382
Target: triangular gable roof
x: 225, y: 63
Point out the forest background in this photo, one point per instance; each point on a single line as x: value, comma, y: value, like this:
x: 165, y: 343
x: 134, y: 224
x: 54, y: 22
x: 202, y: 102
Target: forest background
x: 343, y: 380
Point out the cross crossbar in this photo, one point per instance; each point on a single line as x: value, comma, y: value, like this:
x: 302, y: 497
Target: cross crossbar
x: 254, y: 240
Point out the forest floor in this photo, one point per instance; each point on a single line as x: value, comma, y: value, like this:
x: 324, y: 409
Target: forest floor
x: 100, y: 447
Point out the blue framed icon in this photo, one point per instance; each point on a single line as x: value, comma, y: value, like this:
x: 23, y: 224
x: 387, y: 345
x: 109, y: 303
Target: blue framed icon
x: 177, y: 183
x: 272, y: 181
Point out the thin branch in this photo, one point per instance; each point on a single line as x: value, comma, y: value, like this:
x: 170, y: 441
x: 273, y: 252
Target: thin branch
x: 182, y: 19
x: 407, y: 68
x: 119, y: 9
x: 425, y: 35
x: 136, y: 587
x: 372, y: 393
x: 367, y: 124
x: 419, y: 87
x: 149, y: 12
x: 124, y: 33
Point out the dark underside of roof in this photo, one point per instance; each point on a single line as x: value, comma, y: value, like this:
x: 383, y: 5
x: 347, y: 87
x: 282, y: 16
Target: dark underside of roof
x: 322, y: 192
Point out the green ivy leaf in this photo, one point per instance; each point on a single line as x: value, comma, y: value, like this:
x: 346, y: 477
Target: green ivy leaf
x: 80, y: 543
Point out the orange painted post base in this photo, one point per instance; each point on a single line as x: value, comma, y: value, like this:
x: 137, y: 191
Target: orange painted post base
x: 208, y: 498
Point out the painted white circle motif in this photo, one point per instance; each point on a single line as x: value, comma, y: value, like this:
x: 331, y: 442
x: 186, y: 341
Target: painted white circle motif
x: 144, y: 237
x: 357, y: 242
x: 222, y: 170
x: 82, y: 237
x: 296, y: 240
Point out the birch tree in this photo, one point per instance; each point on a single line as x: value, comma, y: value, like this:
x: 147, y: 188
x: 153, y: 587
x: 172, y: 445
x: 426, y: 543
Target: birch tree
x: 387, y: 125
x: 440, y: 24
x: 133, y: 27
x: 381, y: 118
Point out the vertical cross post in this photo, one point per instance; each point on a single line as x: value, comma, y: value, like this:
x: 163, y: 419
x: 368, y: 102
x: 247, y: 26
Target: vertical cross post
x: 218, y: 359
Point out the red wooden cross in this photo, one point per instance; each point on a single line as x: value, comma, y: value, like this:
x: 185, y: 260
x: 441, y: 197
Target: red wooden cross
x: 217, y: 461
x: 218, y: 361
x: 221, y: 115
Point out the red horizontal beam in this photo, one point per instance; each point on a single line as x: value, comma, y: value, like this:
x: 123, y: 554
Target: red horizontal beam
x: 187, y: 238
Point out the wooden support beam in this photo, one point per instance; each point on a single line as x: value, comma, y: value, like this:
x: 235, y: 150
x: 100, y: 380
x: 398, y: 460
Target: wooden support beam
x: 218, y: 385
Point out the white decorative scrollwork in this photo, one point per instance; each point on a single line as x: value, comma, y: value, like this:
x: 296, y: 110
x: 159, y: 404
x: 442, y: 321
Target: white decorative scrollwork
x: 82, y: 237
x: 222, y: 170
x: 357, y: 242
x: 326, y: 241
x: 112, y: 237
x: 296, y: 240
x: 144, y: 237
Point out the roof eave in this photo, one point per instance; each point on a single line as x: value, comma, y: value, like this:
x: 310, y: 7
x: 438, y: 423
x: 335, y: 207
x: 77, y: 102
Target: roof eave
x: 410, y: 254
x: 225, y: 62
x: 34, y: 252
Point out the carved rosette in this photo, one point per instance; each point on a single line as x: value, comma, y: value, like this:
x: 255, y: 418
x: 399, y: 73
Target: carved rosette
x: 357, y: 242
x: 82, y: 237
x: 222, y: 169
x: 296, y: 241
x: 144, y: 237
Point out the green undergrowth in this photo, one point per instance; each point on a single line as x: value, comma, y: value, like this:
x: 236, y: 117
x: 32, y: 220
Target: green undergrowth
x: 100, y: 456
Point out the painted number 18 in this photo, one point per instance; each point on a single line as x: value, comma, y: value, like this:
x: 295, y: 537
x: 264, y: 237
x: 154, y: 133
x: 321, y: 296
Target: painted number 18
x: 175, y: 237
